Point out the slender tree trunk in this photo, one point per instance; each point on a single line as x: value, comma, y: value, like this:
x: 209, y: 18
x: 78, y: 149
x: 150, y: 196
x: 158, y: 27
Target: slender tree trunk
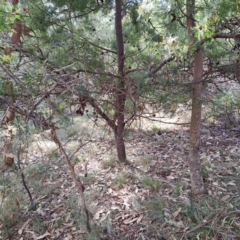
x: 121, y: 96
x: 78, y: 184
x: 10, y: 114
x: 194, y: 139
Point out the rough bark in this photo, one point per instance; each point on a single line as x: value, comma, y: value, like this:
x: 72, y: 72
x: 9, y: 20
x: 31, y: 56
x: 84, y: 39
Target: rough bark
x: 17, y: 31
x: 121, y: 96
x: 194, y: 138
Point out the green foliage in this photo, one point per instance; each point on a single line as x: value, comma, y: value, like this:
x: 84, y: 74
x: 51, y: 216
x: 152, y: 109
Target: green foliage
x: 120, y: 180
x: 227, y: 100
x: 42, y: 18
x: 5, y: 58
x: 55, y: 155
x: 108, y: 163
x: 11, y: 198
x: 178, y: 189
x: 134, y: 15
x: 3, y: 19
x: 155, y: 205
x: 228, y: 9
x: 57, y: 223
x: 74, y: 5
x: 38, y: 225
x: 96, y: 231
x: 227, y: 104
x: 60, y: 3
x: 37, y: 174
x: 36, y: 171
x: 152, y: 184
x: 155, y: 209
x: 75, y: 214
x: 205, y: 170
x: 10, y: 212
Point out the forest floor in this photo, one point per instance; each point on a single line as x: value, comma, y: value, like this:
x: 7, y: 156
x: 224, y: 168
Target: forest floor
x: 147, y: 198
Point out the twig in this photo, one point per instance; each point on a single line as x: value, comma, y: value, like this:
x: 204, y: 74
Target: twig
x: 33, y: 205
x: 109, y: 229
x: 210, y: 131
x: 78, y: 183
x: 41, y: 99
x: 78, y: 150
x: 201, y: 225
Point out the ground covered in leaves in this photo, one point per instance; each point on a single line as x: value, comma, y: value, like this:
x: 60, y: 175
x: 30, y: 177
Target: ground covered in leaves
x: 147, y: 198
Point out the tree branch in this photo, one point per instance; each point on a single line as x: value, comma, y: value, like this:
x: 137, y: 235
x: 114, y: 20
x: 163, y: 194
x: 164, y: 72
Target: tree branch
x: 96, y: 73
x: 226, y: 35
x: 105, y: 49
x: 92, y: 102
x: 162, y: 64
x: 221, y: 35
x: 41, y: 99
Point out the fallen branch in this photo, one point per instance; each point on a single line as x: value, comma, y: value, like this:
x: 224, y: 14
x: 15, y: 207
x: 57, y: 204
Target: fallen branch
x: 202, y: 224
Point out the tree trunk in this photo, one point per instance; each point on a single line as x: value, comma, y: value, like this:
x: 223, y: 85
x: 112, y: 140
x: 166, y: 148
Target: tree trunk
x: 9, y: 113
x: 121, y: 96
x: 119, y: 140
x: 194, y: 139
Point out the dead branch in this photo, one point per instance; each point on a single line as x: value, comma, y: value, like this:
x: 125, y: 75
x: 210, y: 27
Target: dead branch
x: 161, y: 65
x: 78, y: 184
x: 33, y: 205
x: 203, y: 223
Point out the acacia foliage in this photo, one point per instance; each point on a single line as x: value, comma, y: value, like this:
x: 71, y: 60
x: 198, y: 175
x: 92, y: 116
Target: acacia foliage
x: 75, y: 45
x: 70, y: 50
